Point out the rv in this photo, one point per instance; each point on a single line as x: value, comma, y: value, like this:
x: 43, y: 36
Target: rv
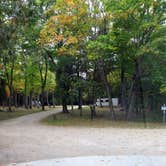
x: 103, y: 102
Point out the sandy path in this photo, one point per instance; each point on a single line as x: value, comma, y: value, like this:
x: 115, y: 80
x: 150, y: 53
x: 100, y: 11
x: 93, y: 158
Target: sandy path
x: 25, y: 139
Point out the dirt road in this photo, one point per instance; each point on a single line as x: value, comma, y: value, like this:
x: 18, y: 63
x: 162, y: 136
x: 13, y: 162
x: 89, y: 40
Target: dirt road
x: 25, y: 139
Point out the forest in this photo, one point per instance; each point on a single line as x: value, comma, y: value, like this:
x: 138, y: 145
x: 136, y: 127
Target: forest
x: 72, y: 52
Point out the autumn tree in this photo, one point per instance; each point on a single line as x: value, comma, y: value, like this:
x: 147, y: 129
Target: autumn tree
x: 67, y: 29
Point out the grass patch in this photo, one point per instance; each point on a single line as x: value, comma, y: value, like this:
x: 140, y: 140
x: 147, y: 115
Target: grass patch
x: 17, y: 112
x: 103, y: 119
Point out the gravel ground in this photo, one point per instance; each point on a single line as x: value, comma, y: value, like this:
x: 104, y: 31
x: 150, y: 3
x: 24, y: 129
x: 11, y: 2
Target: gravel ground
x: 101, y: 161
x: 24, y: 139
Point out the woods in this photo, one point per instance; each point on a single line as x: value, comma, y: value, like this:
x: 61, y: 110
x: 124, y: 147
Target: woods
x: 71, y: 52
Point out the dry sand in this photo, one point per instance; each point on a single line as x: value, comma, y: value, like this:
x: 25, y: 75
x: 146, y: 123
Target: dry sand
x: 25, y: 139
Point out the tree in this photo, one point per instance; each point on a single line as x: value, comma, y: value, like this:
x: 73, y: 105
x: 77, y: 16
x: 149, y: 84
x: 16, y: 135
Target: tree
x: 134, y: 23
x: 66, y: 31
x: 64, y: 72
x: 20, y: 24
x: 9, y: 36
x: 100, y: 46
x: 101, y: 51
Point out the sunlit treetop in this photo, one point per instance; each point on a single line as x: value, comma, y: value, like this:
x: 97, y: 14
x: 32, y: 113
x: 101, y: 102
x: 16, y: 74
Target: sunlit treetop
x: 67, y: 26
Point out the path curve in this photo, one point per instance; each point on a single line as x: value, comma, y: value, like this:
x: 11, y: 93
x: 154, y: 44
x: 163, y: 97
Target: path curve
x: 25, y: 139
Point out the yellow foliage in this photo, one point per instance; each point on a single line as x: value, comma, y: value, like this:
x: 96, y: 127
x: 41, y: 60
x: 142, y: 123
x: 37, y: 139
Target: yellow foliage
x: 7, y: 91
x: 61, y: 51
x: 71, y: 40
x: 163, y: 89
x: 66, y: 24
x: 65, y: 19
x: 58, y: 38
x: 1, y: 66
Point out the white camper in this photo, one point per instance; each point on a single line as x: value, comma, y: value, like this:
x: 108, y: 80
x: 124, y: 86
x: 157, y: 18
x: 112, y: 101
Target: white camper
x: 103, y: 102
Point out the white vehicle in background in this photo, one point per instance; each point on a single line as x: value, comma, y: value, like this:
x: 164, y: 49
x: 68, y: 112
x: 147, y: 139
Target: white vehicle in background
x: 103, y: 102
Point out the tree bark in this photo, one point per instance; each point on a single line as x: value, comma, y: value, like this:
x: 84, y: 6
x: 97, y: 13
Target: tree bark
x: 92, y: 109
x: 30, y: 100
x: 10, y: 103
x: 132, y: 92
x: 26, y: 101
x: 42, y: 98
x: 43, y: 76
x: 64, y: 105
x: 149, y: 104
x: 53, y: 100
x: 80, y: 101
x: 123, y: 89
x: 11, y: 96
x: 9, y: 76
x: 131, y: 103
x: 48, y: 104
x: 107, y: 87
x: 15, y: 99
x: 25, y: 93
x: 141, y: 95
x: 94, y: 100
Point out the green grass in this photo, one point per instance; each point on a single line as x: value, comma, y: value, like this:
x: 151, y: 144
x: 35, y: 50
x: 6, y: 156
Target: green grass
x: 102, y: 120
x: 17, y: 112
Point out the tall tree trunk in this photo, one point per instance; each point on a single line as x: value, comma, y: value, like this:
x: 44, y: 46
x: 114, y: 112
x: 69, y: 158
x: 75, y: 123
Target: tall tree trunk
x: 64, y: 105
x: 10, y: 103
x: 65, y: 110
x: 26, y: 101
x: 71, y: 102
x: 30, y: 100
x: 132, y: 102
x: 9, y: 76
x: 80, y: 100
x: 131, y: 98
x: 48, y: 104
x: 149, y: 104
x: 25, y: 93
x: 42, y: 98
x: 18, y: 100
x: 92, y: 109
x: 79, y: 92
x: 123, y: 89
x: 43, y: 68
x: 15, y: 99
x: 53, y: 100
x: 10, y: 98
x: 94, y: 100
x: 132, y: 95
x: 107, y: 87
x: 141, y: 95
x: 142, y: 103
x: 38, y: 99
x: 72, y: 106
